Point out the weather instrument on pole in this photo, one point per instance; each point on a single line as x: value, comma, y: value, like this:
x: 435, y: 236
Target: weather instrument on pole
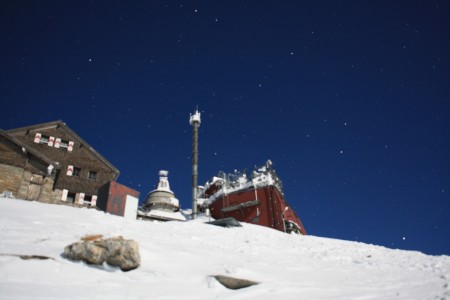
x: 194, y: 120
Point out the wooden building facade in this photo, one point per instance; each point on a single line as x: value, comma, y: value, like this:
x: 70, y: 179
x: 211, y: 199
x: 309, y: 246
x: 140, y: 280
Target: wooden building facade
x: 63, y: 159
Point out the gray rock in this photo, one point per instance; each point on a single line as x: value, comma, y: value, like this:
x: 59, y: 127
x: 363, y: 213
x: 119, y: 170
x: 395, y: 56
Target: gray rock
x: 234, y: 283
x: 114, y: 251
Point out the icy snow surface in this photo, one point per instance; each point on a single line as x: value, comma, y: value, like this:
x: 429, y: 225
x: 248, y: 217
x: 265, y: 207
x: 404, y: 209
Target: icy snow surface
x: 179, y: 257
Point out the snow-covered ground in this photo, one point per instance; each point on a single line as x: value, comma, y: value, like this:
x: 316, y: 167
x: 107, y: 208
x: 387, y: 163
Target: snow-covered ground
x: 178, y: 258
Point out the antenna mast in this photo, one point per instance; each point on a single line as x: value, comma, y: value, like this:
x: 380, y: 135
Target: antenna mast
x: 194, y: 120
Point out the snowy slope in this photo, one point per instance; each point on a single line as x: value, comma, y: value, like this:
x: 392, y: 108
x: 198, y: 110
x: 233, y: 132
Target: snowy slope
x: 178, y: 258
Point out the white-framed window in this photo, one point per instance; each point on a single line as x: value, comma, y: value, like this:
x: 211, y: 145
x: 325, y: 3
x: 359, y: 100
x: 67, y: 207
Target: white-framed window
x: 71, y: 197
x: 40, y: 138
x: 73, y: 171
x: 64, y: 144
x: 51, y: 141
x: 87, y: 199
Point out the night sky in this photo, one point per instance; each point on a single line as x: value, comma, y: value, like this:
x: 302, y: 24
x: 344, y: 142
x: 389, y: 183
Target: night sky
x: 349, y: 99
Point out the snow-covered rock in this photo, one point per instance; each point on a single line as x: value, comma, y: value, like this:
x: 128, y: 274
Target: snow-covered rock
x: 116, y: 252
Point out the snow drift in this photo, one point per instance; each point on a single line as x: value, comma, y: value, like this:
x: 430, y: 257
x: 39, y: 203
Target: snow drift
x: 178, y: 260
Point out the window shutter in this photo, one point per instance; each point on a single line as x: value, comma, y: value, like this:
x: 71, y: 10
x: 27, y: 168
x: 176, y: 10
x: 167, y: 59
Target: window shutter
x: 57, y: 143
x: 81, y: 198
x: 51, y: 140
x: 37, y: 138
x: 64, y: 195
x: 69, y: 170
x: 70, y: 146
x: 94, y: 200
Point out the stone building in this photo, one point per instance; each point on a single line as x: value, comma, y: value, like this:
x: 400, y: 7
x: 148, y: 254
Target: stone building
x: 49, y: 162
x: 24, y: 173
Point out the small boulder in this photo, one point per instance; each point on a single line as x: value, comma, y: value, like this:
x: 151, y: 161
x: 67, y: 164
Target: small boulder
x: 114, y: 251
x: 226, y: 222
x: 234, y: 283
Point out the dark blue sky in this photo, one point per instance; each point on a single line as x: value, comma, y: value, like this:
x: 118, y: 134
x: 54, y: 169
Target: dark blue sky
x: 349, y: 99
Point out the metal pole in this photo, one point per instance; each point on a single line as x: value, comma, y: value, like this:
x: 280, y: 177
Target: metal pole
x: 195, y: 123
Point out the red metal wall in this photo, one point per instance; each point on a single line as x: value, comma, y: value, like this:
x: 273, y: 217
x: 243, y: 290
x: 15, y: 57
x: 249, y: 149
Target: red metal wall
x: 117, y: 196
x: 270, y: 212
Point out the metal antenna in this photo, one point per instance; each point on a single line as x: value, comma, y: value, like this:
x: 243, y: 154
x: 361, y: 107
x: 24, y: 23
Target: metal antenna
x: 194, y: 120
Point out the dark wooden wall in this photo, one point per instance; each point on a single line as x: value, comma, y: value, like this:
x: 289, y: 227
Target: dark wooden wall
x: 80, y: 156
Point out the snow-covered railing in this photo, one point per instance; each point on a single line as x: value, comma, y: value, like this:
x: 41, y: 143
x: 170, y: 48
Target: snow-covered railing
x: 229, y: 183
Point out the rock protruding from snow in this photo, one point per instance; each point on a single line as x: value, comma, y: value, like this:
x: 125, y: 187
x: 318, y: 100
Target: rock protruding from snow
x: 226, y: 222
x: 114, y: 251
x: 234, y: 283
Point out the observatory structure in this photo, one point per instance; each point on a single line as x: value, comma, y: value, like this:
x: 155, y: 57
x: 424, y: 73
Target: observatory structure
x: 161, y: 203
